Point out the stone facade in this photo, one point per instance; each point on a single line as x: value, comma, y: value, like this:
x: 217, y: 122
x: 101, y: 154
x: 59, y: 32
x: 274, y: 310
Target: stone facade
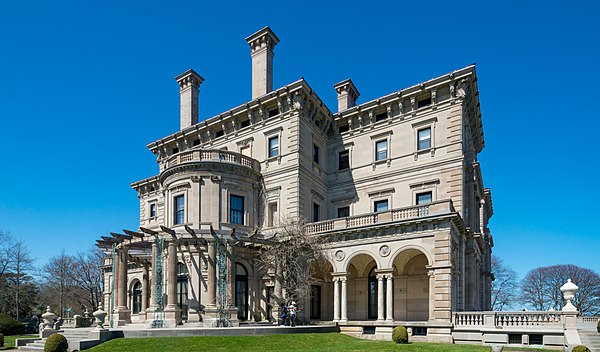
x: 395, y: 181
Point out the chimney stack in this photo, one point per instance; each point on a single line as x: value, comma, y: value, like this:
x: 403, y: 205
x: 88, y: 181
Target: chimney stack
x: 262, y: 44
x: 189, y: 89
x: 347, y: 94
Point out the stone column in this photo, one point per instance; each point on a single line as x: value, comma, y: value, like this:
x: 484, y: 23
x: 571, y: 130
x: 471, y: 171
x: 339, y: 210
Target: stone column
x: 380, y: 298
x: 431, y: 274
x: 212, y: 274
x: 344, y: 281
x: 336, y: 299
x: 145, y: 287
x: 115, y: 288
x: 172, y: 311
x: 389, y: 316
x: 230, y: 275
x: 153, y: 293
x: 123, y: 313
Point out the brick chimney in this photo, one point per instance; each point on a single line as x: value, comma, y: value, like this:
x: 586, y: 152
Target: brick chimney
x: 262, y: 44
x: 189, y: 89
x: 347, y: 94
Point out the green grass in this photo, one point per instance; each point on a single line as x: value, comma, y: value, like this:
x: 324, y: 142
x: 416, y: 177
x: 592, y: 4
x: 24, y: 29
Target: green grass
x: 9, y: 341
x: 290, y: 342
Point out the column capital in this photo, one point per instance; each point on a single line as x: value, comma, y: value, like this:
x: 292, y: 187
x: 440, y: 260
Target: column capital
x: 264, y: 38
x: 189, y: 79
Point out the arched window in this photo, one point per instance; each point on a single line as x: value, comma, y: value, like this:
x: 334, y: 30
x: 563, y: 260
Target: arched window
x: 182, y: 289
x: 241, y: 291
x: 137, y: 297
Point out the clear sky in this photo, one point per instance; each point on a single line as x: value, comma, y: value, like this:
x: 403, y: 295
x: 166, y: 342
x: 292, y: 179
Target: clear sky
x: 84, y: 86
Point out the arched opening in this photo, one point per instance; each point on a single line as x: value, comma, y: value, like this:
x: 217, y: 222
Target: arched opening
x: 411, y: 286
x: 182, y: 289
x: 321, y: 291
x: 137, y: 298
x: 361, y: 302
x: 241, y: 291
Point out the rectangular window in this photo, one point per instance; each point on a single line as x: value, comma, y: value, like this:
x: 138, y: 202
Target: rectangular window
x: 343, y: 160
x: 273, y: 112
x: 273, y: 214
x: 179, y: 210
x: 316, y: 153
x: 343, y: 212
x: 316, y: 212
x: 245, y: 123
x: 219, y: 133
x: 423, y: 198
x: 381, y: 117
x: 344, y: 128
x: 153, y: 210
x: 174, y: 150
x: 424, y: 102
x: 424, y: 138
x: 273, y: 146
x: 196, y: 142
x: 236, y: 209
x: 380, y: 205
x: 381, y: 150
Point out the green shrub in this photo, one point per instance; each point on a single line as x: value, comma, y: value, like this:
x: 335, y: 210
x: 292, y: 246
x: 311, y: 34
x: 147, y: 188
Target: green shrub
x: 400, y: 335
x: 56, y: 343
x: 1, y: 340
x: 10, y: 326
x: 581, y: 348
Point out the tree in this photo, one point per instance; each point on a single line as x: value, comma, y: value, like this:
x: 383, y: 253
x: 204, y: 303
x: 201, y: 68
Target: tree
x: 541, y: 288
x: 59, y: 281
x: 88, y: 276
x: 289, y: 257
x: 504, y: 286
x: 20, y: 264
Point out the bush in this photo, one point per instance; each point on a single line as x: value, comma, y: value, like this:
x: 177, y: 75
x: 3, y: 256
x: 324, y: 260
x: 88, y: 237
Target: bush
x: 1, y: 340
x: 581, y: 348
x: 56, y: 343
x: 10, y: 326
x: 400, y: 335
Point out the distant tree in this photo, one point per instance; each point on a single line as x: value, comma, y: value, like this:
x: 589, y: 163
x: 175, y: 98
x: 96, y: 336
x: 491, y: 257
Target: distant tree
x: 541, y: 288
x: 504, y: 286
x: 59, y: 282
x: 88, y: 276
x: 21, y: 264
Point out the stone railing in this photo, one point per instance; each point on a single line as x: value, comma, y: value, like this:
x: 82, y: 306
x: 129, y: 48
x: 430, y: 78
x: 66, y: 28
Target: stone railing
x: 414, y: 212
x: 211, y: 155
x: 589, y: 319
x: 77, y: 322
x: 506, y: 319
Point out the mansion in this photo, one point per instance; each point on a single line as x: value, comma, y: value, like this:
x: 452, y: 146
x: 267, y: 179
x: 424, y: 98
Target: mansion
x: 394, y: 183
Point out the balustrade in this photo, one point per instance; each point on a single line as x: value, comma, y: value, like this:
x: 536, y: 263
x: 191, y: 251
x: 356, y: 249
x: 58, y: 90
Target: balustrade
x: 212, y: 155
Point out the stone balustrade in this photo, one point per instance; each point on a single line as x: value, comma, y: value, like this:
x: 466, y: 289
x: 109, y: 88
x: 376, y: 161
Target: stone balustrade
x: 78, y: 322
x: 413, y: 212
x: 507, y: 319
x: 589, y: 319
x: 211, y: 155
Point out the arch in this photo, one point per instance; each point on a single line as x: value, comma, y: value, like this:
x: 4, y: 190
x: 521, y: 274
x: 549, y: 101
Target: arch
x: 136, y: 294
x: 360, y: 261
x: 394, y: 256
x: 318, y: 305
x: 411, y: 284
x: 358, y: 267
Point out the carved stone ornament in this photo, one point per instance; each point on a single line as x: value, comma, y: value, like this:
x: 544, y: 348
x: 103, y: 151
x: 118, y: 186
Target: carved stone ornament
x: 340, y: 255
x: 384, y: 250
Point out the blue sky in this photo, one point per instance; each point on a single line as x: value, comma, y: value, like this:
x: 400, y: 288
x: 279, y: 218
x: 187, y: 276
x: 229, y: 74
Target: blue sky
x: 84, y: 86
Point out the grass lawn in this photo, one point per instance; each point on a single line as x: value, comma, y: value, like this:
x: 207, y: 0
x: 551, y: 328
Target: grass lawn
x: 9, y: 341
x: 291, y: 342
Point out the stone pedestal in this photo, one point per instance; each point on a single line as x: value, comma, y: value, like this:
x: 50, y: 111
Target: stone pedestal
x: 122, y: 316
x: 172, y: 316
x: 211, y: 316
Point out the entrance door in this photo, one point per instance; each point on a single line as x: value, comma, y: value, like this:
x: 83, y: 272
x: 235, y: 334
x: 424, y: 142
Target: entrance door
x: 182, y: 290
x: 241, y: 291
x: 315, y: 302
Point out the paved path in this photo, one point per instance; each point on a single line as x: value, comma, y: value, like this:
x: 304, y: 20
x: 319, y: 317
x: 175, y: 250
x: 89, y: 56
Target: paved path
x: 589, y: 336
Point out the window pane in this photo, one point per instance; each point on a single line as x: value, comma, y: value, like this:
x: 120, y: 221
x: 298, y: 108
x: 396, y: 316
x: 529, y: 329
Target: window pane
x: 344, y: 160
x: 424, y: 138
x: 236, y: 209
x: 316, y: 153
x: 316, y: 211
x: 381, y: 205
x: 152, y: 210
x: 424, y: 198
x: 343, y: 212
x: 179, y: 210
x: 381, y: 150
x: 273, y: 146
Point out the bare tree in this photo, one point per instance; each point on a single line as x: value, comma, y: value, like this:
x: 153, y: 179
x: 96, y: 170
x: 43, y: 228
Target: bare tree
x: 88, y: 276
x: 59, y: 281
x: 17, y: 289
x: 504, y: 286
x: 289, y: 258
x: 20, y: 265
x: 541, y: 288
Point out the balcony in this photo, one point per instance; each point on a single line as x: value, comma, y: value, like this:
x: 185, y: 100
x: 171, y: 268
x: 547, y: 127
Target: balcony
x: 212, y: 156
x: 399, y: 214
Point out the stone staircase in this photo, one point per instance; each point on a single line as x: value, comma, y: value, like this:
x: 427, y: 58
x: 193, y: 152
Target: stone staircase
x: 590, y: 338
x: 72, y: 335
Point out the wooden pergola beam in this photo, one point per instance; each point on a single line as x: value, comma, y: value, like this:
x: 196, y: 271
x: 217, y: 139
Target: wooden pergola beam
x: 148, y: 231
x: 169, y: 231
x: 120, y: 236
x: 133, y: 233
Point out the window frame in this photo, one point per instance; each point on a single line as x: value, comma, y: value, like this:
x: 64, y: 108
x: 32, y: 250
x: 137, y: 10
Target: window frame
x: 347, y: 207
x: 427, y: 128
x: 177, y: 211
x: 418, y: 194
x: 316, y: 212
x: 387, y: 155
x: 152, y: 208
x: 347, y: 152
x: 375, y: 202
x: 270, y: 149
x: 420, y: 126
x: 242, y: 211
x: 316, y: 153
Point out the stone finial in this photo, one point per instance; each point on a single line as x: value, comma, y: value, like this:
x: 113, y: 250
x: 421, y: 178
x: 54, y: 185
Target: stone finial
x: 48, y: 318
x: 189, y: 91
x: 262, y: 45
x: 347, y: 94
x: 100, y: 315
x: 569, y: 289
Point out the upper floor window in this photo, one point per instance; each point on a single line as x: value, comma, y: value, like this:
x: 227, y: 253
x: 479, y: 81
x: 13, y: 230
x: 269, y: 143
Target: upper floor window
x: 424, y: 138
x: 316, y: 153
x: 343, y: 212
x: 273, y: 146
x: 381, y: 150
x: 380, y: 117
x: 153, y: 210
x: 179, y: 210
x: 316, y: 212
x: 380, y: 205
x: 424, y: 198
x: 236, y: 209
x: 344, y: 160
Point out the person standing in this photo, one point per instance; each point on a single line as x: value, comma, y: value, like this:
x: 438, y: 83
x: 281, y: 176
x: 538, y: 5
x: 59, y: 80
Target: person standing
x: 292, y: 313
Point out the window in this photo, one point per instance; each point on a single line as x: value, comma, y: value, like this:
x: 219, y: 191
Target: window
x: 316, y: 153
x: 137, y: 298
x: 380, y: 205
x: 424, y: 102
x: 536, y: 339
x: 381, y: 150
x: 316, y: 212
x: 273, y: 112
x: 419, y: 331
x: 344, y: 128
x: 343, y: 212
x: 174, y: 150
x: 424, y: 138
x: 514, y: 339
x: 245, y: 123
x: 153, y: 210
x: 179, y: 210
x: 196, y: 142
x: 273, y: 146
x: 273, y: 214
x: 343, y: 160
x: 423, y: 198
x: 236, y: 209
x: 219, y: 133
x: 381, y: 117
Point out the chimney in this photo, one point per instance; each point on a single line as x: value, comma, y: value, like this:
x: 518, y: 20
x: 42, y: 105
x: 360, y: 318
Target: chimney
x: 347, y: 94
x: 189, y: 88
x: 262, y: 44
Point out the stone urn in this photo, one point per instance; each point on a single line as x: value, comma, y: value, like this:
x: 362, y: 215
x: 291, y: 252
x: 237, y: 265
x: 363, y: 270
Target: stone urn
x: 497, y: 348
x: 568, y: 290
x: 100, y: 315
x: 48, y: 318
